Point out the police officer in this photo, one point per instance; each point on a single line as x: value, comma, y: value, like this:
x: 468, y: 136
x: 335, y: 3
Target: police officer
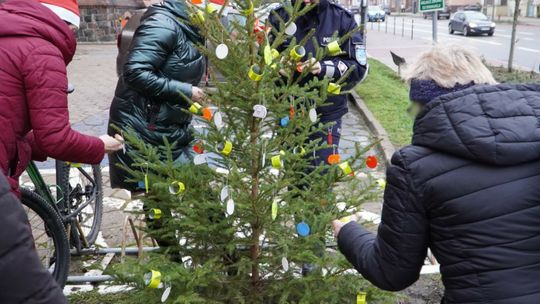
x: 328, y: 19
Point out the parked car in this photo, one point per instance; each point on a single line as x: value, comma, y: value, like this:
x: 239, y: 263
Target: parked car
x: 442, y: 14
x: 387, y: 10
x: 375, y: 13
x: 472, y: 7
x: 470, y: 23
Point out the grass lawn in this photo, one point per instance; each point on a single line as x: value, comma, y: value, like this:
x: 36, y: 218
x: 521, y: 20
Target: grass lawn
x: 388, y: 99
x: 501, y: 75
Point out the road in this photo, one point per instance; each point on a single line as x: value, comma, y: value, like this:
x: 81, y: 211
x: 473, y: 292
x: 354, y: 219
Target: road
x: 495, y: 49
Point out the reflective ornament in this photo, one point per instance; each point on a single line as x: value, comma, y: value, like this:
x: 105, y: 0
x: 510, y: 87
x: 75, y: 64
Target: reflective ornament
x: 165, y: 294
x: 285, y: 263
x: 230, y: 206
x: 177, y: 188
x: 284, y: 121
x: 218, y: 120
x: 291, y: 29
x: 195, y: 108
x: 298, y: 52
x: 255, y: 73
x: 333, y: 48
x: 268, y: 58
x: 274, y: 209
x: 225, y: 148
x: 152, y: 279
x: 207, y: 114
x: 224, y: 194
x: 346, y: 168
x: 334, y: 159
x: 198, y: 148
x: 334, y: 88
x: 303, y: 229
x: 277, y: 163
x: 222, y: 51
x: 154, y: 214
x: 381, y: 182
x: 313, y: 115
x: 361, y: 298
x: 259, y: 111
x: 371, y: 162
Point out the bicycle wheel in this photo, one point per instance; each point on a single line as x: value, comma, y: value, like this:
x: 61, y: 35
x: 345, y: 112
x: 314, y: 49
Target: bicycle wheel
x: 49, y: 234
x: 82, y: 186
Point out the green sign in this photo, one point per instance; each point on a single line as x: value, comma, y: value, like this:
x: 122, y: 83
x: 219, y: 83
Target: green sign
x: 431, y: 5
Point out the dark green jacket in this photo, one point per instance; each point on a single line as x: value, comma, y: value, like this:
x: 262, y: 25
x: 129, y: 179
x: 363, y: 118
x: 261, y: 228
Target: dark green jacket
x: 155, y: 87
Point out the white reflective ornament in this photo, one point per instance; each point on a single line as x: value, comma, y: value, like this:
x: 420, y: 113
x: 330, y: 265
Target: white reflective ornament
x: 263, y: 160
x: 291, y: 29
x: 222, y: 51
x: 166, y: 294
x: 313, y: 115
x: 224, y: 193
x: 285, y: 263
x: 259, y: 111
x: 230, y: 206
x: 199, y: 159
x: 218, y: 120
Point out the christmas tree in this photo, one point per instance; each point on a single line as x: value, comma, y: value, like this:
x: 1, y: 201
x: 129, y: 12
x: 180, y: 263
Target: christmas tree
x: 253, y: 206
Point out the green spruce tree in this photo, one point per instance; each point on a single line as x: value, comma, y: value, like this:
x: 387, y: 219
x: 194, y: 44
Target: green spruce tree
x: 252, y: 207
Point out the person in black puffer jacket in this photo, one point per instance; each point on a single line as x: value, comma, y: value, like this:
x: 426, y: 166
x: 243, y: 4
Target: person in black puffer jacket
x: 158, y: 83
x: 24, y: 279
x: 468, y: 188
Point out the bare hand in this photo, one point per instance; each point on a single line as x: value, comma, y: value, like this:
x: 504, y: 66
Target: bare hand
x: 338, y: 224
x: 312, y: 65
x: 112, y: 144
x: 198, y: 95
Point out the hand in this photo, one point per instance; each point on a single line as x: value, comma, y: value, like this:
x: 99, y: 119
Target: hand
x: 313, y: 65
x: 112, y: 144
x: 198, y: 95
x: 338, y: 224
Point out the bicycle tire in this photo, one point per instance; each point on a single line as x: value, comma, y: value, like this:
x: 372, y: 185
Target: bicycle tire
x: 55, y: 229
x: 63, y: 170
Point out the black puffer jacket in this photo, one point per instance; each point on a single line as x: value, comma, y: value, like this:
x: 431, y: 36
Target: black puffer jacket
x: 153, y: 91
x: 468, y: 188
x: 24, y: 279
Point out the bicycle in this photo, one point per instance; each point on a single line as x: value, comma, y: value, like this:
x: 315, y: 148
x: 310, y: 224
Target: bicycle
x: 68, y: 216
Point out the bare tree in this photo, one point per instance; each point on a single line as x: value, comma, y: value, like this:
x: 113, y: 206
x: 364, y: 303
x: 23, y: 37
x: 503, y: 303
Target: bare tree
x: 513, y: 41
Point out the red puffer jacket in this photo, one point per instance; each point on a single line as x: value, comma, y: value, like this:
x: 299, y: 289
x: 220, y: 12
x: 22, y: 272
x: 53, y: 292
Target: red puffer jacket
x: 35, y: 47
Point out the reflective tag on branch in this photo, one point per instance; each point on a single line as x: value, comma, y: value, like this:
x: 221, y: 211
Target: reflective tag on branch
x: 166, y: 294
x: 224, y: 194
x: 259, y: 111
x: 291, y: 29
x: 218, y: 120
x: 285, y: 263
x: 222, y: 51
x: 230, y: 206
x: 313, y: 115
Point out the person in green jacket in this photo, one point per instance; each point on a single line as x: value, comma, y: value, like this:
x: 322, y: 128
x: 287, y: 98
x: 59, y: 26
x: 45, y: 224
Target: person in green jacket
x: 158, y: 82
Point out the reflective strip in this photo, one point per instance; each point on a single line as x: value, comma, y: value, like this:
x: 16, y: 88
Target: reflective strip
x: 330, y: 70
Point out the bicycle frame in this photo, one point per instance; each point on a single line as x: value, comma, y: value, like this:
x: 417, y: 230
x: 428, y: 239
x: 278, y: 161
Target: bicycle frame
x: 41, y: 187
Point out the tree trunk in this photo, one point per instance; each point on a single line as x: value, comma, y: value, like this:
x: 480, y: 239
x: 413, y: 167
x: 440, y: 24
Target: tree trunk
x: 513, y: 41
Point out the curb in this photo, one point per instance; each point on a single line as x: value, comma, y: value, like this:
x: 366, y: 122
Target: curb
x: 385, y: 145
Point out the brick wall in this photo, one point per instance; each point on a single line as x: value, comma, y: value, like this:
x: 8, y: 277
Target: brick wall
x: 100, y: 19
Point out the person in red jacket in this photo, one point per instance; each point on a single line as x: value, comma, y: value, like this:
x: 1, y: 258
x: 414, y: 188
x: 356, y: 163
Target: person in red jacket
x: 36, y: 43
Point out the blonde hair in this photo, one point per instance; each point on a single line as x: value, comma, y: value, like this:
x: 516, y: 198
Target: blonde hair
x: 448, y: 66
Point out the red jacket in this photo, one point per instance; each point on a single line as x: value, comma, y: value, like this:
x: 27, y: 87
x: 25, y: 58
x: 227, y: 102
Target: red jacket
x: 35, y: 47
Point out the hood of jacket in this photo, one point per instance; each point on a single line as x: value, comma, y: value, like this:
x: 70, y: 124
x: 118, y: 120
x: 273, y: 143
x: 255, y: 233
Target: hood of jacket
x: 22, y: 18
x: 494, y: 124
x: 178, y: 10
